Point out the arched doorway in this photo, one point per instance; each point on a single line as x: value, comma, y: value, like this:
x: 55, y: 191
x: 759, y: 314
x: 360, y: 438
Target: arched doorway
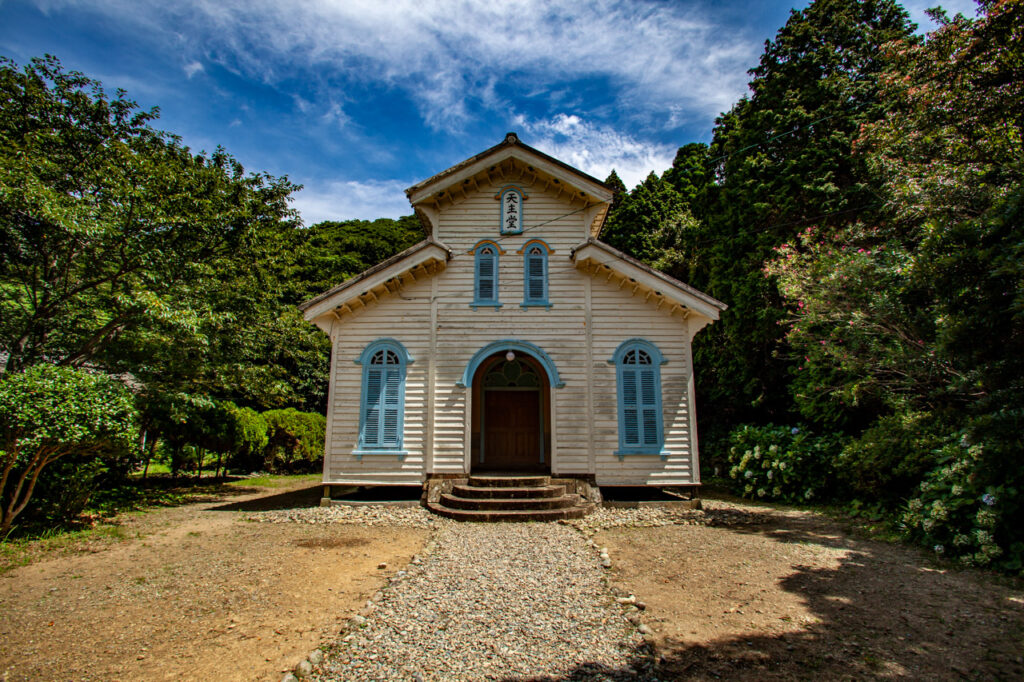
x: 511, y: 401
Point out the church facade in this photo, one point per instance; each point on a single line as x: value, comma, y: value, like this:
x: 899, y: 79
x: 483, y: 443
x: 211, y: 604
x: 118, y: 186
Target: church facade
x: 511, y: 339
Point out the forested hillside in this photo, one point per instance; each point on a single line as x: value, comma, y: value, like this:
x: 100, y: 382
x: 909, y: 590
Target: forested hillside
x: 859, y: 211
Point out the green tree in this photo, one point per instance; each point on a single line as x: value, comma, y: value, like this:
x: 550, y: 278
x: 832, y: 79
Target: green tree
x: 918, y: 315
x: 250, y: 433
x: 49, y: 412
x: 108, y: 226
x: 690, y: 174
x: 296, y: 439
x: 616, y: 184
x: 637, y: 225
x: 781, y: 160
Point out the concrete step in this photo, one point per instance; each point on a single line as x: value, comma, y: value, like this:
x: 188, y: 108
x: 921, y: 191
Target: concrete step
x: 575, y: 512
x: 509, y: 481
x: 475, y: 492
x: 509, y: 503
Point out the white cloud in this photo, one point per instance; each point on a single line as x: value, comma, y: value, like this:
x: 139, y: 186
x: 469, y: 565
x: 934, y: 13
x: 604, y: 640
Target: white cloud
x: 652, y: 56
x: 346, y: 200
x: 597, y: 149
x: 192, y: 68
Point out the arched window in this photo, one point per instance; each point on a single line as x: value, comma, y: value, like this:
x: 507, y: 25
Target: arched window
x: 535, y: 273
x: 382, y: 408
x: 485, y: 281
x: 638, y: 368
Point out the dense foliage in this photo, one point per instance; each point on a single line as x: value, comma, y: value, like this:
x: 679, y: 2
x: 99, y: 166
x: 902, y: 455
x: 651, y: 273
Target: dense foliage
x: 779, y: 463
x: 124, y: 251
x: 49, y: 412
x: 861, y: 214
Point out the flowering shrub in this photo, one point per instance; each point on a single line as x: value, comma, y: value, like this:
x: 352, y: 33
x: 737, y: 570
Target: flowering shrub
x: 887, y: 462
x: 781, y: 463
x: 959, y: 517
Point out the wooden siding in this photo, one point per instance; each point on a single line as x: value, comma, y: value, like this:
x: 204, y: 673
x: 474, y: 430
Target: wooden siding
x: 434, y: 320
x: 617, y: 318
x: 405, y: 318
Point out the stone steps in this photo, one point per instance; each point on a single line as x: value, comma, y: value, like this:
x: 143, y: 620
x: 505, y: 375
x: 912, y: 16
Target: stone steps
x: 478, y: 492
x: 509, y: 498
x: 509, y: 481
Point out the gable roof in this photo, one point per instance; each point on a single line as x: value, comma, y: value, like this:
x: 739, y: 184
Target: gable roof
x: 500, y: 159
x: 595, y: 256
x: 428, y: 256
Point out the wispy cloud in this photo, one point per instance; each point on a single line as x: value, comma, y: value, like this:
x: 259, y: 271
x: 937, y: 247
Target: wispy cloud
x: 335, y: 200
x: 652, y: 55
x: 597, y: 149
x: 192, y: 68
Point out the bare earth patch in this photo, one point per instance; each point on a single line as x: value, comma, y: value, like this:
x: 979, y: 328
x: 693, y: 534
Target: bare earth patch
x: 788, y: 595
x: 195, y: 593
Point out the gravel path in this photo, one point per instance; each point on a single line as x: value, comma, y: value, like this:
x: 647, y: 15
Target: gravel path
x: 494, y: 601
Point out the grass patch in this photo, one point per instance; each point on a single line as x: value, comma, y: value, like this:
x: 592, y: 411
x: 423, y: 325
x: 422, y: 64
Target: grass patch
x: 15, y: 552
x: 97, y: 526
x: 275, y: 481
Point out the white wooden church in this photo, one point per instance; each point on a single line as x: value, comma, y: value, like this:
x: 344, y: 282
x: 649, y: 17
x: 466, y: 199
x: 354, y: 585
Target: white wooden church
x: 511, y: 339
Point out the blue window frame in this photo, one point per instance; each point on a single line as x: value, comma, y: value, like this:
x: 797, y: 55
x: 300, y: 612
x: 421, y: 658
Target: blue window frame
x: 535, y: 274
x: 638, y: 372
x: 382, y: 407
x: 485, y: 275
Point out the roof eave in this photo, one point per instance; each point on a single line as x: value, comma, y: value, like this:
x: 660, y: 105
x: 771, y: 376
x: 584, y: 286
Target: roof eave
x: 628, y: 266
x: 425, y: 251
x: 422, y: 191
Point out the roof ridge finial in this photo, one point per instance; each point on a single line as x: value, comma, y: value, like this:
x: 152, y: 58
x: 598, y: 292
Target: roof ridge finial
x: 511, y: 138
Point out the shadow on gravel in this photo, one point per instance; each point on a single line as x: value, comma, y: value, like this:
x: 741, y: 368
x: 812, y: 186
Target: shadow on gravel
x: 884, y: 612
x: 293, y: 499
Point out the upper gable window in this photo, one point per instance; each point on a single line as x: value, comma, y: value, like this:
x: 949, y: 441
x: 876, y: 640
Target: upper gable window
x: 535, y: 273
x: 511, y: 209
x: 485, y: 276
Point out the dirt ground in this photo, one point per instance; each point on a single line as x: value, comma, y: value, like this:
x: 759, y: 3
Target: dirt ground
x: 195, y: 593
x: 794, y: 596
x: 198, y: 593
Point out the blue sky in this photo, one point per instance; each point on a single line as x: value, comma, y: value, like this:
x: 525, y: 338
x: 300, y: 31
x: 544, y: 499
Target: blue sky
x: 359, y: 99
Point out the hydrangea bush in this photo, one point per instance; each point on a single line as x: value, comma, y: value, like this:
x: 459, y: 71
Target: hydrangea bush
x: 960, y: 517
x: 781, y: 463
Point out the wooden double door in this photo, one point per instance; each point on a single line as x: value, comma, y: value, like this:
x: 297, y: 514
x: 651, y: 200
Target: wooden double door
x: 512, y: 431
x: 509, y: 420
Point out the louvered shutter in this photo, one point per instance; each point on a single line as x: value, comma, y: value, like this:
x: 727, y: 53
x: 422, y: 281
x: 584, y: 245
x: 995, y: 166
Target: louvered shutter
x: 630, y: 408
x: 648, y: 407
x: 485, y: 284
x: 371, y: 421
x: 390, y: 438
x: 536, y: 281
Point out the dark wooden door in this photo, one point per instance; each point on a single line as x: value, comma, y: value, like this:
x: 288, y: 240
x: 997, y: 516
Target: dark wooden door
x: 511, y: 431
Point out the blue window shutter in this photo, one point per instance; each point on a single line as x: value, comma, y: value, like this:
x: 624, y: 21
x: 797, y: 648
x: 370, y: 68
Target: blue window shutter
x: 485, y: 278
x: 630, y: 408
x: 371, y: 422
x: 648, y: 402
x: 639, y: 386
x: 383, y: 400
x: 535, y: 277
x: 485, y: 282
x: 389, y: 431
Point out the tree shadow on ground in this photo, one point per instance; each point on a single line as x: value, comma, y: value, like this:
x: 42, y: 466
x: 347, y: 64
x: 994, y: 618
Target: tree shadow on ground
x: 311, y: 495
x: 290, y: 499
x: 885, y: 611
